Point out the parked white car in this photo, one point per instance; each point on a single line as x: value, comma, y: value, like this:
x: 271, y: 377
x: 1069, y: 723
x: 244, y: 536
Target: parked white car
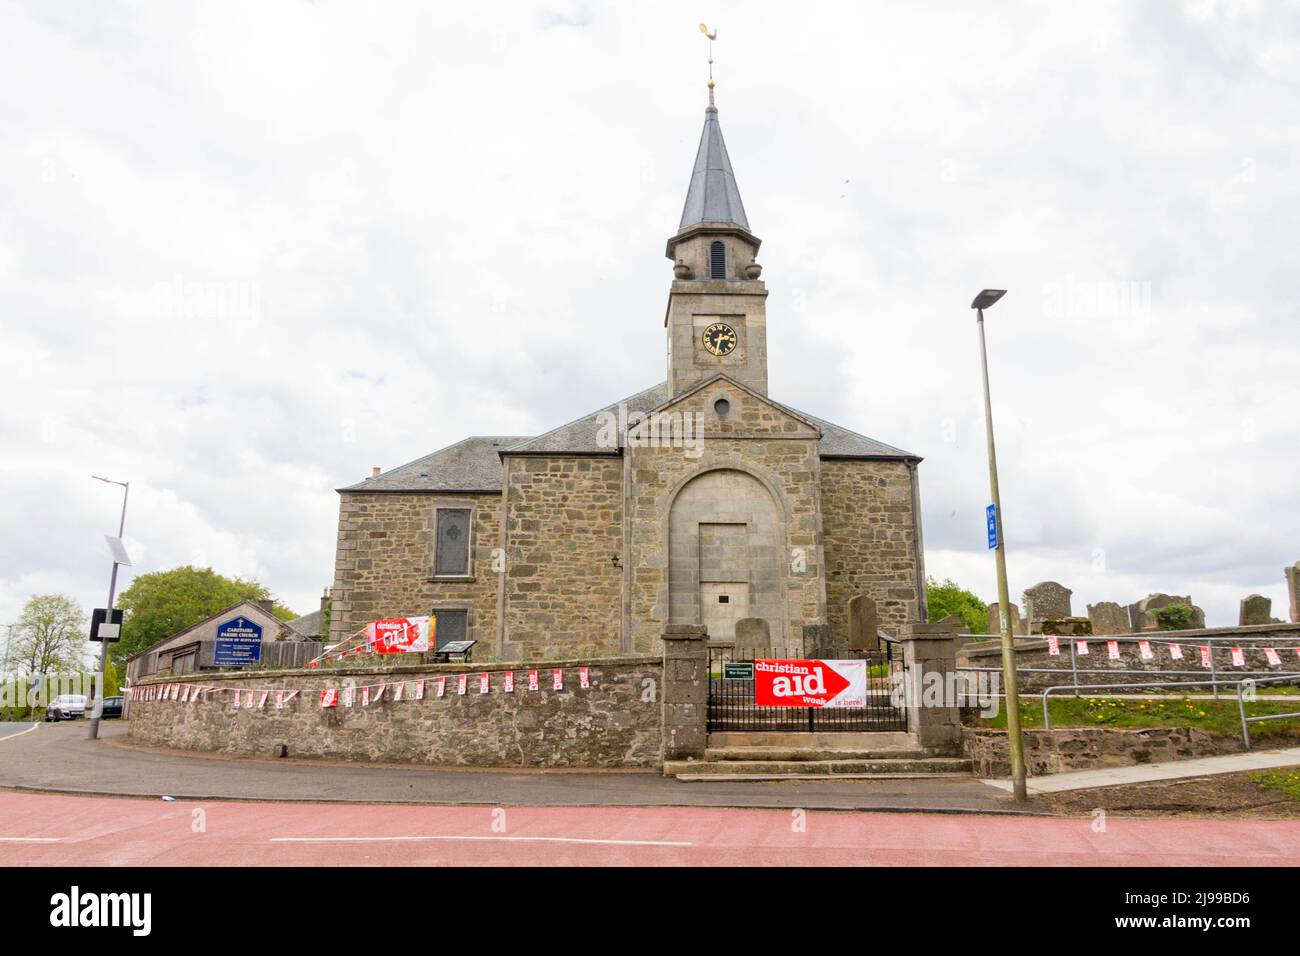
x: 66, y: 707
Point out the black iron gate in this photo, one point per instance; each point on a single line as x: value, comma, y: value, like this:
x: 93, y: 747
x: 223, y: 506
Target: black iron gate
x: 731, y: 699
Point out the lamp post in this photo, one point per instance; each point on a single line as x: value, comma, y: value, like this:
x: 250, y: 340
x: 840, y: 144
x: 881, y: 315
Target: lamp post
x: 112, y: 594
x: 1014, y: 740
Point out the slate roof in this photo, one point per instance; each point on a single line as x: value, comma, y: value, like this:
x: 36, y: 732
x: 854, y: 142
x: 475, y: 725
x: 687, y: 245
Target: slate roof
x: 713, y: 195
x: 308, y: 625
x: 470, y: 465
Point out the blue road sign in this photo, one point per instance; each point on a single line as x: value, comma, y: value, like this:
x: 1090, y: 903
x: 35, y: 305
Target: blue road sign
x: 991, y: 513
x: 239, y: 643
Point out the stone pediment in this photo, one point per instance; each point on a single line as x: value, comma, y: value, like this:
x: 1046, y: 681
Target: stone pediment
x: 721, y: 407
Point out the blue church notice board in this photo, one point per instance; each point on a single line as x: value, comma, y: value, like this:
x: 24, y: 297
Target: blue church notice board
x: 239, y: 643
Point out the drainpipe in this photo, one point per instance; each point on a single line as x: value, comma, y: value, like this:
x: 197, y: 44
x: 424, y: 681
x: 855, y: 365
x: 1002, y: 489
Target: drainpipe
x: 918, y: 545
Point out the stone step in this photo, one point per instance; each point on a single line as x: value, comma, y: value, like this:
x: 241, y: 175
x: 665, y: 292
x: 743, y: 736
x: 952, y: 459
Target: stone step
x: 796, y: 753
x: 824, y: 768
x: 821, y: 740
x: 811, y: 777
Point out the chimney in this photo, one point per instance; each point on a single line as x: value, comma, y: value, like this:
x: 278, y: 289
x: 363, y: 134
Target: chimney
x: 268, y: 606
x: 374, y: 472
x: 324, y: 599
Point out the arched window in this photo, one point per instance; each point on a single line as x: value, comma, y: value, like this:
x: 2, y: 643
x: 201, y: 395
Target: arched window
x: 717, y: 260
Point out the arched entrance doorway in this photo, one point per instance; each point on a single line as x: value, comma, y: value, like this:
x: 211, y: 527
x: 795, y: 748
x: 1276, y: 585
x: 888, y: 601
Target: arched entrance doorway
x: 725, y: 554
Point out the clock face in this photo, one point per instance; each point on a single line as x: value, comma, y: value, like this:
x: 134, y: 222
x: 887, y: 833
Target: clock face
x: 720, y: 339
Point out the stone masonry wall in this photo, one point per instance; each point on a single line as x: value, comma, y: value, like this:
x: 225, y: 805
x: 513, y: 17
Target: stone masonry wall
x: 869, y: 540
x: 1062, y: 749
x: 384, y: 563
x: 615, y: 722
x: 563, y: 593
x: 754, y: 437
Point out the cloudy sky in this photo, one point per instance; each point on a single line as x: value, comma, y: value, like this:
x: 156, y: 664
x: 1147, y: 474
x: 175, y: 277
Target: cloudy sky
x: 247, y: 251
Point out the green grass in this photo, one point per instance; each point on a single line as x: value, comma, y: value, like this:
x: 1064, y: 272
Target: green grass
x: 1284, y: 779
x: 1216, y: 717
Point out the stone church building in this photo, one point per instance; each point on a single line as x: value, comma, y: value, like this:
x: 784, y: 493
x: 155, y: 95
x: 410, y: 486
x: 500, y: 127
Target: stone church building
x: 699, y: 500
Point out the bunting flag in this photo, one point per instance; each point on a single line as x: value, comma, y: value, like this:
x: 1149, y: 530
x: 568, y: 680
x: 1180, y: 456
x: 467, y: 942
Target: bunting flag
x: 397, y: 689
x: 532, y: 680
x: 1081, y: 647
x: 365, y: 697
x: 348, y: 693
x: 1144, y: 650
x: 462, y: 682
x: 329, y: 697
x: 439, y: 687
x: 1205, y: 655
x: 484, y: 683
x: 290, y: 696
x: 1112, y: 650
x: 1053, y: 645
x: 248, y: 698
x: 419, y: 689
x: 313, y: 663
x: 1238, y: 658
x: 1271, y: 654
x: 279, y: 700
x: 557, y: 679
x: 234, y: 699
x: 261, y: 700
x: 185, y: 694
x: 1176, y: 651
x: 584, y: 677
x: 508, y: 683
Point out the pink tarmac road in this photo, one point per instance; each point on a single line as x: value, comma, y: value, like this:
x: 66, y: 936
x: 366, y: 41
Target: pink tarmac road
x: 52, y: 830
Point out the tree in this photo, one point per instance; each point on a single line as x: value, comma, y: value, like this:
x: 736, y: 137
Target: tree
x: 949, y: 597
x: 1174, y: 617
x: 161, y: 603
x: 51, y: 636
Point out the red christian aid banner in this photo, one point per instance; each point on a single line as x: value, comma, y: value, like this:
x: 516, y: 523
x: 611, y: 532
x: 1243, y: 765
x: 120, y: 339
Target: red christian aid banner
x: 400, y: 635
x: 810, y: 683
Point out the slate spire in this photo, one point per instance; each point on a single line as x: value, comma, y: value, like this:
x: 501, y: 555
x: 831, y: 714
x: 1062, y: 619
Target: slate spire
x: 713, y: 195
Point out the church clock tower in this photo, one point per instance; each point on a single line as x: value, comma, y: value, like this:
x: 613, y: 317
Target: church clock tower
x: 716, y: 319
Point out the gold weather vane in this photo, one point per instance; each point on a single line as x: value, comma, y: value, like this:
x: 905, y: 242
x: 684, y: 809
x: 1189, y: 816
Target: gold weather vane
x: 712, y: 36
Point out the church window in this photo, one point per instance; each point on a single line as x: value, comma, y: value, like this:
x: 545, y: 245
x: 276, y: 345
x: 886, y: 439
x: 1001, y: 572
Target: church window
x: 722, y: 407
x: 451, y: 545
x: 450, y: 624
x: 717, y: 260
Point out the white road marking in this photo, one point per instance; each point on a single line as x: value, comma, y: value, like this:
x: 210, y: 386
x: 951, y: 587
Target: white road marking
x: 5, y: 839
x: 519, y: 839
x: 21, y: 732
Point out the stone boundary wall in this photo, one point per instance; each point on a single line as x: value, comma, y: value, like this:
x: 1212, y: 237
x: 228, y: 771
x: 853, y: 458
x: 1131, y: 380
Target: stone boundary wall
x: 615, y: 722
x: 1062, y: 749
x: 1094, y: 668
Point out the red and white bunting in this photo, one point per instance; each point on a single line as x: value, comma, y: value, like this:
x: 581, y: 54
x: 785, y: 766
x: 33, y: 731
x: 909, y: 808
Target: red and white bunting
x: 1081, y: 647
x: 1112, y: 650
x: 248, y: 698
x: 1144, y: 650
x: 329, y: 697
x: 584, y: 677
x: 348, y: 694
x: 419, y: 689
x: 484, y: 683
x: 397, y: 689
x: 462, y: 684
x: 1053, y: 645
x: 234, y: 698
x: 1271, y: 654
x: 1238, y: 657
x: 279, y: 700
x: 185, y: 694
x: 532, y: 680
x: 508, y: 682
x: 290, y: 696
x: 365, y: 697
x: 261, y: 699
x: 1176, y: 651
x: 440, y: 687
x: 557, y: 679
x: 1205, y: 655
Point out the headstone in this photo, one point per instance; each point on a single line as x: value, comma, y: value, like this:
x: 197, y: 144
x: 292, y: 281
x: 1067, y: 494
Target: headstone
x: 1293, y: 590
x: 1068, y: 626
x: 1142, y: 618
x: 1256, y: 609
x: 1045, y: 600
x: 995, y: 619
x: 818, y: 642
x: 1107, y: 617
x: 753, y: 638
x: 864, y: 624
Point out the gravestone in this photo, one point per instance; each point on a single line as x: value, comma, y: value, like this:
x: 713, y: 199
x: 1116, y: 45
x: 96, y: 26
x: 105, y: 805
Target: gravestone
x: 1068, y: 626
x: 1142, y: 618
x: 818, y: 642
x: 1293, y: 590
x: 995, y: 619
x: 864, y: 624
x: 753, y: 638
x: 1107, y: 617
x: 1256, y: 609
x: 1047, y: 599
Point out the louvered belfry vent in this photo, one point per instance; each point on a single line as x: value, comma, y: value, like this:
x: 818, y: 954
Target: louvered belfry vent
x: 717, y: 260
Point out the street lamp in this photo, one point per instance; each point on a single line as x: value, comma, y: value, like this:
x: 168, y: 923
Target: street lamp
x: 1016, y: 744
x: 112, y: 594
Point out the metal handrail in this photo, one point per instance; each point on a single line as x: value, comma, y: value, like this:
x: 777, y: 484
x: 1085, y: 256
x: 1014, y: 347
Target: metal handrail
x: 1241, y: 700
